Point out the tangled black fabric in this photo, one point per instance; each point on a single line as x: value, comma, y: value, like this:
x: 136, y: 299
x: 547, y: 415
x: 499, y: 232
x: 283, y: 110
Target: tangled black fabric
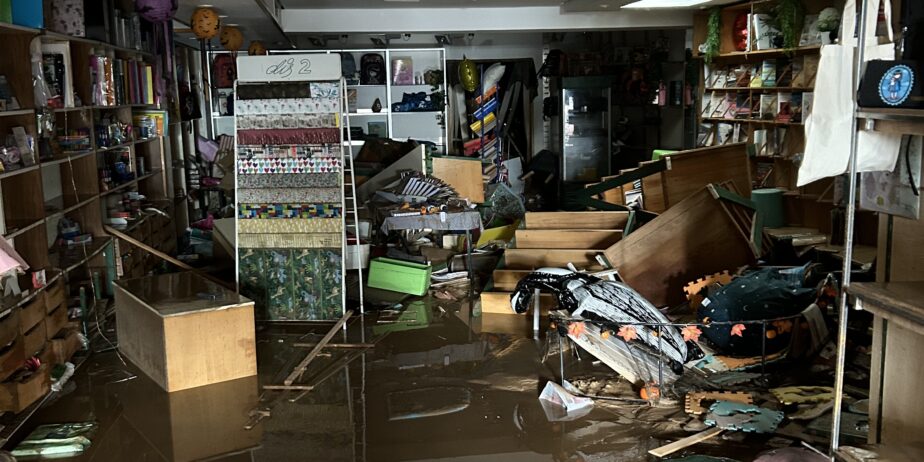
x: 763, y: 294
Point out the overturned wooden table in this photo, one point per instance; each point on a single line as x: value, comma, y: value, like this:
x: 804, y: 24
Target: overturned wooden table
x: 185, y: 331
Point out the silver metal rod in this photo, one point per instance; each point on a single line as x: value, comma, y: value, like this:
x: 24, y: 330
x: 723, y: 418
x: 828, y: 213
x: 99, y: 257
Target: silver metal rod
x: 536, y: 314
x: 848, y: 239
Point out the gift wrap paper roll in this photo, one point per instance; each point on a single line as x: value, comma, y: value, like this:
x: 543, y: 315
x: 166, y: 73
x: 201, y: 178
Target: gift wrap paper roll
x: 292, y: 225
x: 289, y: 180
x: 288, y: 211
x: 289, y: 195
x: 290, y: 240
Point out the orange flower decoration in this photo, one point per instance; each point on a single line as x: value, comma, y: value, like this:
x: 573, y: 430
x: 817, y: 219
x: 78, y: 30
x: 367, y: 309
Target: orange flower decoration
x: 576, y: 329
x: 628, y: 333
x: 691, y: 333
x: 738, y: 329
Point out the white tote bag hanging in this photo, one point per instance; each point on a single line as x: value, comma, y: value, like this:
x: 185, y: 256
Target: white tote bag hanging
x: 829, y: 128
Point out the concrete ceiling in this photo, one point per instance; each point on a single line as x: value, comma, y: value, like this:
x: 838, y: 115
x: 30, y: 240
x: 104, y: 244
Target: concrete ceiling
x: 373, y: 4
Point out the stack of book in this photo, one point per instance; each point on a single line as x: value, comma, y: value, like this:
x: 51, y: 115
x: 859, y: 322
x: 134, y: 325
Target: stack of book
x: 119, y: 81
x: 484, y: 142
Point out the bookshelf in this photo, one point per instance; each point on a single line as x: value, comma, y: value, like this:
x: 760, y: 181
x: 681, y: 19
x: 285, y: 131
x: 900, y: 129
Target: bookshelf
x: 77, y: 136
x: 744, y: 92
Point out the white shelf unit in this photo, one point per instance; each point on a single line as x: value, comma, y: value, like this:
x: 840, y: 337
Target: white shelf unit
x: 421, y: 126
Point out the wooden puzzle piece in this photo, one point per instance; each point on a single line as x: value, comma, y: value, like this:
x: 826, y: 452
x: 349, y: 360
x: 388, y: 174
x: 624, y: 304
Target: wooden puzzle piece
x: 693, y: 289
x: 693, y: 400
x: 730, y: 415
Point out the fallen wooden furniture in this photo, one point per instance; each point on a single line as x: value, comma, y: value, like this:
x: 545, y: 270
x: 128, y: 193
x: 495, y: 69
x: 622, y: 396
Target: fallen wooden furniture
x: 553, y: 239
x: 184, y: 331
x: 708, y: 232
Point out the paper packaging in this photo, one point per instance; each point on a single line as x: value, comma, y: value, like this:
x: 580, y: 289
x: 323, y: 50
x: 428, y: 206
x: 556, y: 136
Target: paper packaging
x: 67, y: 17
x: 561, y: 406
x: 28, y: 13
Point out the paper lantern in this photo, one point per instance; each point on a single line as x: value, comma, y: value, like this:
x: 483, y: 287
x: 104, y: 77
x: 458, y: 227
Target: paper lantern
x: 468, y: 74
x: 231, y: 38
x: 256, y: 48
x: 156, y: 11
x: 205, y: 23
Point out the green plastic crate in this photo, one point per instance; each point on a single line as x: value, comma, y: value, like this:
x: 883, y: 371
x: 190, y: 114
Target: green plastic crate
x: 6, y: 11
x: 399, y: 276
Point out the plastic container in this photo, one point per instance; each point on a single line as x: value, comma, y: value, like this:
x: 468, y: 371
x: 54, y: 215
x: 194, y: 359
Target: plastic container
x: 28, y: 13
x: 399, y: 276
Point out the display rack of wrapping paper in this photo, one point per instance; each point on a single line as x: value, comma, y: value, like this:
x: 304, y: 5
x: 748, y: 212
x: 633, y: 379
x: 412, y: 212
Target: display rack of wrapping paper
x: 289, y: 191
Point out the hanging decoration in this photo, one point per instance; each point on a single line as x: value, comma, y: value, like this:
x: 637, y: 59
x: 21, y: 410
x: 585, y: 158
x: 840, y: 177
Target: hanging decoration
x: 231, y: 38
x: 205, y: 23
x: 468, y: 74
x: 156, y: 11
x: 256, y: 48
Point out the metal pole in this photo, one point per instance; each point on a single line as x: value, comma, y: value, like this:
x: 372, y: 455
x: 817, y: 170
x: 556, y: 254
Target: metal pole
x: 848, y: 240
x: 536, y: 314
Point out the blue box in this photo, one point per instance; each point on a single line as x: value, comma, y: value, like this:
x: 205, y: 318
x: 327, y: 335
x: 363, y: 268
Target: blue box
x: 28, y: 13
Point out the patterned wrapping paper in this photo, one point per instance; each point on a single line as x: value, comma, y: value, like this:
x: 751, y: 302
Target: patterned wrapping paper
x: 289, y: 195
x: 262, y: 122
x: 325, y: 90
x: 286, y: 106
x: 289, y: 165
x: 290, y: 284
x: 268, y: 211
x: 275, y: 91
x: 281, y: 152
x: 293, y: 225
x: 290, y: 240
x: 288, y: 180
x: 289, y: 136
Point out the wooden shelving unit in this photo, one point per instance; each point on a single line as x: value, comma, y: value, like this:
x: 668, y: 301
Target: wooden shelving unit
x: 68, y: 185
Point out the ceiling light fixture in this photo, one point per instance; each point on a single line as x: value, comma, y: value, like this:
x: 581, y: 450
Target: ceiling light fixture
x: 642, y: 4
x: 443, y: 40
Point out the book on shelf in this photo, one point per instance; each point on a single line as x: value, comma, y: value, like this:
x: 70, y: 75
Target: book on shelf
x: 783, y: 72
x: 784, y: 107
x: 767, y: 107
x: 797, y: 76
x: 768, y: 73
x: 711, y: 75
x: 743, y: 76
x: 730, y: 104
x: 729, y: 80
x: 724, y: 133
x: 743, y: 106
x: 56, y: 65
x: 760, y: 143
x: 764, y: 33
x: 809, y: 70
x: 796, y: 108
x: 779, y: 140
x: 706, y: 134
x: 808, y: 98
x: 762, y: 174
x: 707, y: 104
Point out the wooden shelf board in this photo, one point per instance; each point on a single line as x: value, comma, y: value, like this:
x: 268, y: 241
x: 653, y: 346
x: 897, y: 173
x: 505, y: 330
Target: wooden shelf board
x: 17, y: 112
x: 751, y: 121
x: 768, y: 53
x: 71, y: 109
x: 12, y: 173
x: 910, y: 115
x: 22, y: 228
x: 66, y: 210
x: 69, y: 158
x: 7, y: 28
x: 904, y: 299
x: 68, y: 38
x: 793, y: 89
x: 119, y: 188
x: 118, y: 146
x: 67, y: 264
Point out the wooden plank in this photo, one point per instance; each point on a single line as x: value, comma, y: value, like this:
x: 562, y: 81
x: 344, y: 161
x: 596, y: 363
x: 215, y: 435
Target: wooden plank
x: 903, y: 298
x: 576, y: 220
x: 566, y: 238
x: 694, y: 238
x: 671, y: 448
x: 689, y: 171
x: 507, y: 279
x: 463, y: 174
x: 499, y: 303
x: 902, y: 418
x: 615, y: 196
x: 317, y: 349
x: 551, y: 258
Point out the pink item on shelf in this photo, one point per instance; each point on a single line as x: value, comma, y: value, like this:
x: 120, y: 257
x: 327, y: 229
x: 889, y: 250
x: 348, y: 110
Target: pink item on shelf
x: 402, y: 71
x: 289, y: 136
x: 10, y: 259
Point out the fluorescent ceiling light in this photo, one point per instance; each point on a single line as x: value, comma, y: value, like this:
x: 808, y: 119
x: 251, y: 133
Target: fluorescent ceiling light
x: 665, y: 3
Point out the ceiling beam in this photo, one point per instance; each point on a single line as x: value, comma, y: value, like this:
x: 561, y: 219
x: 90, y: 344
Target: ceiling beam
x: 445, y: 20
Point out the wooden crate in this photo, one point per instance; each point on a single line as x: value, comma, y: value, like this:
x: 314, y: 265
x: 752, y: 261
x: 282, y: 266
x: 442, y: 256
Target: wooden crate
x: 62, y: 348
x: 16, y: 396
x: 54, y: 296
x: 179, y: 339
x: 55, y: 321
x: 12, y: 359
x: 499, y: 303
x: 31, y: 313
x: 576, y: 220
x: 689, y: 171
x: 10, y: 326
x: 566, y: 238
x: 34, y: 340
x: 555, y: 258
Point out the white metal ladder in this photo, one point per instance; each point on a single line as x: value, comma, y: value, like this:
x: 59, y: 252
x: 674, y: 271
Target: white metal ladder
x: 349, y: 202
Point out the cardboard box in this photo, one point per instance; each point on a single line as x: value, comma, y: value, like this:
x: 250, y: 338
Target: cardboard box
x: 55, y: 321
x: 399, y: 276
x: 16, y: 396
x: 9, y: 327
x: 12, y: 359
x: 28, y: 13
x: 34, y: 340
x: 32, y: 313
x: 63, y: 347
x: 54, y: 296
x: 180, y: 338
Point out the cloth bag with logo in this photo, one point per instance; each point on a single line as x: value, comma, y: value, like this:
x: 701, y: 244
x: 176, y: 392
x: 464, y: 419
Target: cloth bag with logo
x: 829, y: 129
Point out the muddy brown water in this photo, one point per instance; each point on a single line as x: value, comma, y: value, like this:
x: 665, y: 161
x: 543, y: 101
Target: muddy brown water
x: 460, y: 388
